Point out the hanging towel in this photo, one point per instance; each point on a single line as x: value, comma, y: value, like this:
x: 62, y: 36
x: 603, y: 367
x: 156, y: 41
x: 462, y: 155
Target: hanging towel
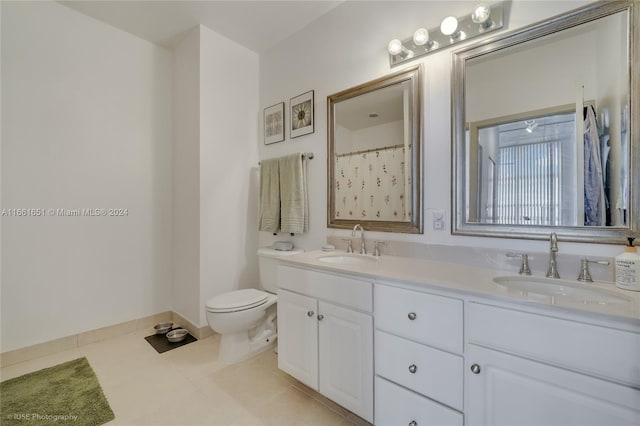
x: 269, y: 196
x: 294, y: 213
x: 593, y: 182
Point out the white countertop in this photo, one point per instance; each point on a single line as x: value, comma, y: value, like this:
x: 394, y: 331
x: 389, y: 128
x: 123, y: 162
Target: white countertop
x: 469, y: 280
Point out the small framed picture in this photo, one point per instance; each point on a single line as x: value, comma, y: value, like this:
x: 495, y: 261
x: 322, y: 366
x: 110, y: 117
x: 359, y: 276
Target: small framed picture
x: 274, y: 123
x: 302, y: 114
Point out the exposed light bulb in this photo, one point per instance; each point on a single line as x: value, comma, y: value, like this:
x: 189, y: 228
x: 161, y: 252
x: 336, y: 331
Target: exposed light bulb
x: 531, y: 125
x: 394, y: 47
x: 449, y: 27
x: 420, y: 37
x: 481, y: 15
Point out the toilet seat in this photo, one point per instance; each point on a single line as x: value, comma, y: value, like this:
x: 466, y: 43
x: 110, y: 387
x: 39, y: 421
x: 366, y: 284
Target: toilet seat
x: 238, y: 300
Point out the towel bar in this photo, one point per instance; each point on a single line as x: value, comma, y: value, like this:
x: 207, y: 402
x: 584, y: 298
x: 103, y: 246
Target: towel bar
x: 307, y: 155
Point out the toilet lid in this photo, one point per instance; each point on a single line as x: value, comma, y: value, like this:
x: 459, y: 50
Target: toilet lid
x: 237, y: 300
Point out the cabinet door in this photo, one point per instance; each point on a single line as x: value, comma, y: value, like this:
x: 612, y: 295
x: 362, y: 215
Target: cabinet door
x: 512, y: 391
x: 346, y: 358
x: 298, y: 337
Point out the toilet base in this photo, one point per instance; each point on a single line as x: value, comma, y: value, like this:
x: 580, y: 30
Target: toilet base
x: 238, y: 347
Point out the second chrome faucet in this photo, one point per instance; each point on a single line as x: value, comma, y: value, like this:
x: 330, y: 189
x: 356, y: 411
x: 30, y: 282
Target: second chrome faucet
x: 552, y: 272
x: 353, y: 234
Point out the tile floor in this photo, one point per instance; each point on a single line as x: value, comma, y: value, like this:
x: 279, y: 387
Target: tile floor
x: 189, y: 386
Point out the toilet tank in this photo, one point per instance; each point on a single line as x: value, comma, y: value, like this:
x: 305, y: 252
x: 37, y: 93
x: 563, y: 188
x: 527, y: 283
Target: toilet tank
x: 268, y: 264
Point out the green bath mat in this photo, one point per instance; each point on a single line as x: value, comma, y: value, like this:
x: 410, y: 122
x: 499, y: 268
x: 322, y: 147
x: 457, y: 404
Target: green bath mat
x: 66, y: 394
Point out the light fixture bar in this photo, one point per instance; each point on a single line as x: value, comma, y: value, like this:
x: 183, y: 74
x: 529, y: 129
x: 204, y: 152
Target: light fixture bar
x: 465, y: 30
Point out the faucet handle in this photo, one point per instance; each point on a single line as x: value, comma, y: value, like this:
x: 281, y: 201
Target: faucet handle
x: 585, y: 275
x: 376, y: 247
x: 524, y: 267
x: 349, y: 246
x: 553, y: 241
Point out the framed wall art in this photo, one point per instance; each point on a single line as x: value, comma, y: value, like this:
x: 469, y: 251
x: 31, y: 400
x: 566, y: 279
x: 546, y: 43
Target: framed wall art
x: 274, y: 123
x: 302, y: 114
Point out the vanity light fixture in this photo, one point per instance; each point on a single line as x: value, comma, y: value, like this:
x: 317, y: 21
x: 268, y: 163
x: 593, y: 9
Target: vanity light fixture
x: 396, y: 48
x: 449, y: 27
x: 452, y: 30
x: 421, y: 38
x: 482, y: 15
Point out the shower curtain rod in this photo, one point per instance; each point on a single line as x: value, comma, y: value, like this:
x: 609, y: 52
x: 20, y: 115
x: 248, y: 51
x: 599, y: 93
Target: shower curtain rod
x: 307, y: 155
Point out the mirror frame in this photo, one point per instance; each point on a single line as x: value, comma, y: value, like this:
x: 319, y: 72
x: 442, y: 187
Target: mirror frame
x: 553, y: 25
x: 414, y: 75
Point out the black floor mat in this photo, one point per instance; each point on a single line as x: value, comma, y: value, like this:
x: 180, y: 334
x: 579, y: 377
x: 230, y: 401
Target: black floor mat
x: 161, y: 344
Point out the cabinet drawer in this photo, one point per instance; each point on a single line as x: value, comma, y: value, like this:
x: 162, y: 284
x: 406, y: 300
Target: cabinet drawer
x: 429, y: 371
x: 437, y: 320
x: 595, y: 350
x: 397, y: 406
x: 346, y: 291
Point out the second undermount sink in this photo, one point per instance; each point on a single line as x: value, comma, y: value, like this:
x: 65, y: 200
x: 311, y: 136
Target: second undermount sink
x: 557, y: 291
x: 347, y: 259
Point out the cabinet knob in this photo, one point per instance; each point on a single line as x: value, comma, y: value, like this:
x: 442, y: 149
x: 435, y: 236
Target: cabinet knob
x: 413, y: 368
x: 412, y: 316
x: 310, y: 313
x: 413, y: 423
x: 320, y: 317
x: 475, y: 369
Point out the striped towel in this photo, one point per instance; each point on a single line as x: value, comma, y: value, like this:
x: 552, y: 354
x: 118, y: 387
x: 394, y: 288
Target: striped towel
x: 294, y: 214
x: 269, y: 196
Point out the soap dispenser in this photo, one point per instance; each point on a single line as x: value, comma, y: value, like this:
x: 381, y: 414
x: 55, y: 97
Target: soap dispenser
x: 628, y: 268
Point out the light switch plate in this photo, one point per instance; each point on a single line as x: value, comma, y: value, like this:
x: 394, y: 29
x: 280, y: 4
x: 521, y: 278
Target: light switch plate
x: 438, y: 218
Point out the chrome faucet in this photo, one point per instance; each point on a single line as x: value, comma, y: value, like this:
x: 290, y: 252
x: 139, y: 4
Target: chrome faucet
x: 585, y: 275
x: 552, y: 272
x: 524, y: 267
x: 353, y: 234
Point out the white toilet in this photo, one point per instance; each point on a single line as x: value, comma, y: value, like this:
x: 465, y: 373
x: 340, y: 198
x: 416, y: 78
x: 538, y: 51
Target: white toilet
x: 246, y: 319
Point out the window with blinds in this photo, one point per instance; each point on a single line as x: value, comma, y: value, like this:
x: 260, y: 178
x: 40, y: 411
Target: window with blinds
x: 528, y: 184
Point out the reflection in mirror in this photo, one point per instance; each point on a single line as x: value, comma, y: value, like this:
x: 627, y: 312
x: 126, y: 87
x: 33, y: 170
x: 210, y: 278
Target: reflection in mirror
x: 374, y: 145
x: 542, y: 130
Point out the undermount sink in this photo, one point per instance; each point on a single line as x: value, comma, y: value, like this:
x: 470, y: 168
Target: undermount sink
x: 347, y: 259
x: 557, y: 291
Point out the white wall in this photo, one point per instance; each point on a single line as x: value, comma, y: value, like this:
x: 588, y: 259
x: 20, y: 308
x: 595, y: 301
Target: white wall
x: 531, y: 83
x: 86, y: 114
x: 228, y: 167
x: 186, y: 177
x: 342, y: 50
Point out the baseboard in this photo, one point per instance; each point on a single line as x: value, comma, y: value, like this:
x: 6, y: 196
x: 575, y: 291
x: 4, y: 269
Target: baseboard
x: 196, y: 331
x: 81, y: 339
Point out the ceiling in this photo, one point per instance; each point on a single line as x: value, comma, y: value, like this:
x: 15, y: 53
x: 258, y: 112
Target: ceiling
x: 257, y: 25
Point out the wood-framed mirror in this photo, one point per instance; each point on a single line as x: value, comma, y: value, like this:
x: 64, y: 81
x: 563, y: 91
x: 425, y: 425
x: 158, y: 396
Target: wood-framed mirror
x: 374, y: 154
x: 545, y: 129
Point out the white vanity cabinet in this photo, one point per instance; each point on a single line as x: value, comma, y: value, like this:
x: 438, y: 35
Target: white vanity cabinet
x: 418, y: 355
x: 528, y: 369
x: 325, y: 335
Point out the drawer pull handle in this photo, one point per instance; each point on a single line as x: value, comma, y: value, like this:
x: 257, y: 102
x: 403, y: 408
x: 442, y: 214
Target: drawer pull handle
x: 320, y: 317
x: 412, y: 316
x: 413, y: 423
x: 310, y: 313
x: 413, y: 368
x: 475, y: 369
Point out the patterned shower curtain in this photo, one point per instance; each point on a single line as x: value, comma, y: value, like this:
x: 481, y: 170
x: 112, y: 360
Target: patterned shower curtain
x: 373, y: 185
